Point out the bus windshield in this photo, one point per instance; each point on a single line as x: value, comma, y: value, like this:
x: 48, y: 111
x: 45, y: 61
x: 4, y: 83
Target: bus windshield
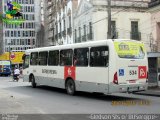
x: 130, y: 49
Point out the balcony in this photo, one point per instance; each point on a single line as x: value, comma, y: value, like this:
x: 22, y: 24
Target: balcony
x: 135, y: 35
x: 49, y: 14
x: 114, y: 35
x: 51, y: 27
x: 64, y: 33
x: 69, y: 30
x: 90, y: 37
x: 84, y: 38
x: 60, y: 35
x: 56, y: 37
x: 50, y: 34
x: 50, y: 4
x: 78, y: 40
x: 154, y: 3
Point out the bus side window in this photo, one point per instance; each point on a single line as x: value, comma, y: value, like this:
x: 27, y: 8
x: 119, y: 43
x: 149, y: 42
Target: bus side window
x: 99, y: 56
x: 53, y: 59
x: 26, y: 62
x: 34, y: 58
x: 66, y: 57
x: 80, y: 57
x: 43, y: 58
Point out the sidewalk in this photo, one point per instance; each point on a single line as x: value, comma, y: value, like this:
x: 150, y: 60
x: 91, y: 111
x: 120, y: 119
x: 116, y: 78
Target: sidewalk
x: 152, y: 91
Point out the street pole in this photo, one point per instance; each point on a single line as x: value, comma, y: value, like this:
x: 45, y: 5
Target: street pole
x: 9, y: 53
x: 109, y: 20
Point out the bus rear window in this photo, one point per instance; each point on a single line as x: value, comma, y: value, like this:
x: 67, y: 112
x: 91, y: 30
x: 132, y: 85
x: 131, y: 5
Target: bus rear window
x: 130, y: 50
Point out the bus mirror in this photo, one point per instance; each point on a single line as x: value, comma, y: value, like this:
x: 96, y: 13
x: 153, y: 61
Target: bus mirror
x: 23, y: 57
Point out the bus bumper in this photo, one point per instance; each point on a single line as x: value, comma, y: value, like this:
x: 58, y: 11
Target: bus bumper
x: 127, y: 88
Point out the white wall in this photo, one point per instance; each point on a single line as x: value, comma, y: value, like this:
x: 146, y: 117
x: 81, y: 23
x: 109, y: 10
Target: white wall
x: 38, y: 14
x: 123, y: 25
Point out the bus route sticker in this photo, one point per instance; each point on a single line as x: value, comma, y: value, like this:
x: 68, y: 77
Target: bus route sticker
x: 69, y: 72
x: 142, y: 72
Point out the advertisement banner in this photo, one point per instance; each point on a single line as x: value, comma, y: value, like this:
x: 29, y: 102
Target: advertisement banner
x: 15, y: 57
x: 131, y: 49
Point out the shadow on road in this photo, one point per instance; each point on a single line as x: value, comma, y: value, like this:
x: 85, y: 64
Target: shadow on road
x: 51, y: 91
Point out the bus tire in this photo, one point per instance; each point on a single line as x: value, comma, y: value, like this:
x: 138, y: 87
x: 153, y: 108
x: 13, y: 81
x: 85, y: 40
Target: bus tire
x: 70, y: 87
x: 34, y: 85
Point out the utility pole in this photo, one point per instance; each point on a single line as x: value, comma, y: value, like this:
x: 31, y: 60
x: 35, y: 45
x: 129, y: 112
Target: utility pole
x: 9, y: 53
x: 109, y: 20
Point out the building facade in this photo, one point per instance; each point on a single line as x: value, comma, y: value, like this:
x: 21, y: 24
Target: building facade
x: 40, y: 23
x: 48, y: 7
x: 59, y: 25
x: 130, y: 20
x: 23, y: 36
x: 154, y: 8
x: 154, y: 55
x: 1, y: 29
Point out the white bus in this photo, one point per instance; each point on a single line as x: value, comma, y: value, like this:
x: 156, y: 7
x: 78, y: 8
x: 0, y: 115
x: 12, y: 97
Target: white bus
x: 105, y: 66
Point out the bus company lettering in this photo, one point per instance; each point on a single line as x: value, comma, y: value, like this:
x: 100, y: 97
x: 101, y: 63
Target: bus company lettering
x: 49, y: 71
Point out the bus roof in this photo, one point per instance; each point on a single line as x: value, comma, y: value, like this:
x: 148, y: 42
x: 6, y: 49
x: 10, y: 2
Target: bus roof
x: 78, y: 45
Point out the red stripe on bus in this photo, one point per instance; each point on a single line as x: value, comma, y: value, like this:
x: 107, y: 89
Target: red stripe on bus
x: 70, y: 71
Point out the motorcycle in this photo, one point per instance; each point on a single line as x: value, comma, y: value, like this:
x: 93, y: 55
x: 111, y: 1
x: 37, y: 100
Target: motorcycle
x: 16, y: 77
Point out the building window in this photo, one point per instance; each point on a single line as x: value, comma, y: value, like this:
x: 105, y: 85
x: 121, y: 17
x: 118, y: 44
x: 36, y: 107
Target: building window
x: 75, y: 35
x: 69, y: 21
x: 19, y: 34
x: 114, y: 33
x: 84, y: 34
x: 18, y: 42
x: 33, y: 42
x: 6, y: 33
x: 60, y: 29
x: 56, y: 36
x: 15, y: 33
x: 27, y: 17
x: 135, y: 34
x: 79, y: 39
x: 60, y: 26
x: 90, y: 31
x: 29, y: 41
x: 64, y: 22
x: 11, y: 33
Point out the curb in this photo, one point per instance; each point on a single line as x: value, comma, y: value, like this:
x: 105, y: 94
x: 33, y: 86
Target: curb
x: 148, y: 94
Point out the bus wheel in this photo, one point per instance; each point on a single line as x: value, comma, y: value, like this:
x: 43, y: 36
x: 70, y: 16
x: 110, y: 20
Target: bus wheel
x: 70, y: 87
x: 33, y: 82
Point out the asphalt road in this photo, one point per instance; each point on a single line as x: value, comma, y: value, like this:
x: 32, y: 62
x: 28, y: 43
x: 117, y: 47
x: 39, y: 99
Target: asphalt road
x: 21, y: 98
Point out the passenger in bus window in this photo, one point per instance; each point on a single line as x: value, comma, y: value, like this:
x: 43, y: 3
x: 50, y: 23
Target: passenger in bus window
x: 62, y: 59
x: 96, y: 59
x: 75, y: 60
